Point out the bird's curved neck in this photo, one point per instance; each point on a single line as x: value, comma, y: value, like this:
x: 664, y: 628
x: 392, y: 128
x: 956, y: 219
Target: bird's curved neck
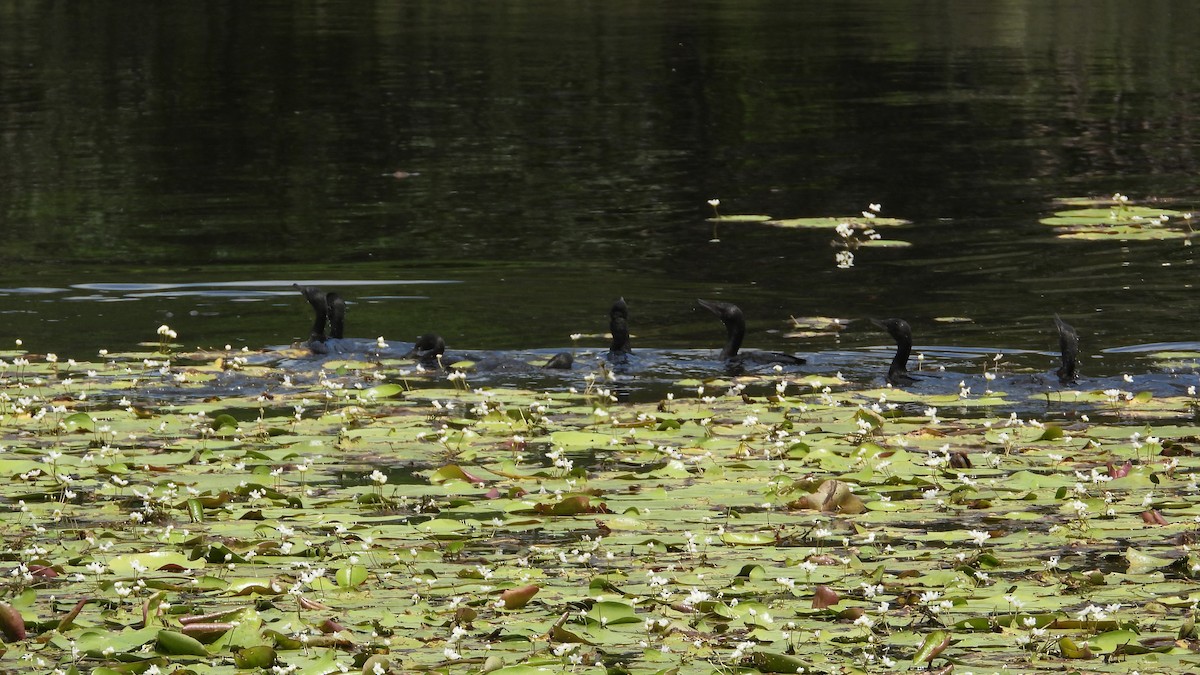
x: 900, y: 360
x: 318, y: 328
x: 733, y: 342
x: 337, y: 321
x: 1069, y: 348
x: 620, y: 336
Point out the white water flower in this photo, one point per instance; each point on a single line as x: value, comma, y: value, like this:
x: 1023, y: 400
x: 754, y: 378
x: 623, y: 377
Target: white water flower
x: 979, y: 537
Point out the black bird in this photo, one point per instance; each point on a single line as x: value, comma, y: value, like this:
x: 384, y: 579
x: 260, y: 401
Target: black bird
x: 336, y: 307
x: 902, y: 334
x: 560, y: 361
x: 618, y: 325
x: 327, y: 308
x: 1068, y: 344
x: 428, y: 350
x: 735, y: 327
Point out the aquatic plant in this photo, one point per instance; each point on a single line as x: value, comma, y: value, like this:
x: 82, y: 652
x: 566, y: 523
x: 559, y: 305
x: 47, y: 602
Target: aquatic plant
x: 1118, y: 218
x: 718, y: 218
x: 264, y: 519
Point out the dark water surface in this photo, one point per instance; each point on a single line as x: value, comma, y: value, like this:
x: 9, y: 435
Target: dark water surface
x: 184, y: 163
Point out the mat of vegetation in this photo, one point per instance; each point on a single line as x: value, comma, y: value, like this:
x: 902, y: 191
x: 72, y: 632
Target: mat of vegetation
x: 209, y: 515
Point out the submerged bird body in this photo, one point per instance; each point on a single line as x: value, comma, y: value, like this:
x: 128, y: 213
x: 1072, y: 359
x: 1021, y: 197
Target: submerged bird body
x: 560, y: 361
x: 1068, y: 345
x: 428, y: 350
x: 901, y: 332
x: 735, y: 331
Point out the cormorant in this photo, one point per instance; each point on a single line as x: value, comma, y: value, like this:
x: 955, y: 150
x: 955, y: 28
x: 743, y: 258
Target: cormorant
x: 336, y: 307
x: 321, y: 303
x: 428, y: 350
x: 901, y: 332
x: 735, y: 327
x: 1068, y: 344
x: 560, y: 361
x: 618, y: 325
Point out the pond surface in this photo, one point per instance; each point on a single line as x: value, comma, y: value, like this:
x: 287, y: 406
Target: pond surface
x: 500, y: 172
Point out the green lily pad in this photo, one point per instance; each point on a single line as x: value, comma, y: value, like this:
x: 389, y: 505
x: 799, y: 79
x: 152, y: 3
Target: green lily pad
x: 884, y: 243
x: 831, y: 223
x: 1121, y: 221
x: 738, y: 219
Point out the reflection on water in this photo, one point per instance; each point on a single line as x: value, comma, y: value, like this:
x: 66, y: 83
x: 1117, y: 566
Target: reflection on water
x: 554, y: 156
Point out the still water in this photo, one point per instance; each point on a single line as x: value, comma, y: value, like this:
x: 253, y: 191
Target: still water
x: 499, y: 172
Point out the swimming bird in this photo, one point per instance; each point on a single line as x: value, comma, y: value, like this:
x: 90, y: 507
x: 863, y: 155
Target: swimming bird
x: 618, y: 325
x: 735, y: 328
x: 560, y: 361
x: 428, y: 350
x: 1068, y: 344
x: 901, y: 332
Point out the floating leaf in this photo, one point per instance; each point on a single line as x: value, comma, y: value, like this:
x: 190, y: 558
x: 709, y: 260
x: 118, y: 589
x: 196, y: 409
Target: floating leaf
x: 259, y: 657
x: 1124, y: 233
x: 884, y: 243
x: 1074, y: 650
x: 953, y: 319
x: 1121, y: 221
x: 172, y: 642
x: 138, y: 564
x: 453, y: 472
x: 1111, y: 641
x: 351, y: 576
x: 613, y: 613
x: 1140, y: 562
x: 738, y: 219
x: 747, y: 538
x: 832, y: 496
x: 1116, y: 214
x: 933, y: 645
x: 385, y: 391
x: 771, y: 662
x: 516, y: 598
x: 830, y: 223
x: 824, y: 596
x: 12, y: 624
x: 81, y: 421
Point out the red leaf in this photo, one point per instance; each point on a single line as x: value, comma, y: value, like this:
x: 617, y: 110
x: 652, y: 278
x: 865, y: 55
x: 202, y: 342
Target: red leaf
x: 43, y: 571
x: 824, y: 597
x: 516, y: 598
x: 1121, y: 472
x: 1153, y: 517
x: 12, y: 624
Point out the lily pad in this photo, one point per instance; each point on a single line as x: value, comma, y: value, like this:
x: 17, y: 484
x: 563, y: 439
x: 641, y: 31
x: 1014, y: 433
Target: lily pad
x: 884, y: 243
x: 1125, y: 233
x: 738, y: 219
x: 831, y: 223
x: 1122, y: 221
